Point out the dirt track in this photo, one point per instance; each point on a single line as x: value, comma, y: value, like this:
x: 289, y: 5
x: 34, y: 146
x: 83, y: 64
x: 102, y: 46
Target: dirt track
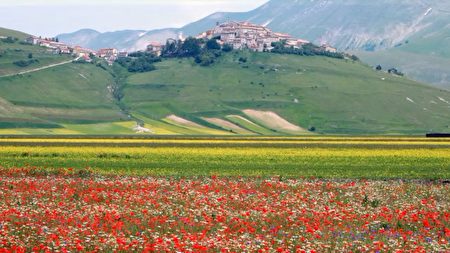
x: 40, y: 68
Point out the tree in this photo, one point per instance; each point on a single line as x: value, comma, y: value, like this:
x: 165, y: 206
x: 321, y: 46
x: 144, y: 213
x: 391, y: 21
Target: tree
x: 227, y: 48
x: 206, y: 58
x: 212, y: 44
x: 140, y: 65
x: 395, y: 72
x: 190, y: 47
x: 243, y: 59
x: 139, y: 62
x: 170, y: 49
x: 354, y: 58
x: 30, y: 56
x: 57, y: 40
x: 23, y: 63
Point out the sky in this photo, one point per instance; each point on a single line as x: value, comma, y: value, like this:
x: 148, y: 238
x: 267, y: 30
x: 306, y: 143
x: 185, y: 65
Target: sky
x: 53, y: 17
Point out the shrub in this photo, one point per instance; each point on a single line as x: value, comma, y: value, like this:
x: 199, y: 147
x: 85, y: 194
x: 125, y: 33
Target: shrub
x: 227, y: 48
x: 139, y: 62
x: 206, y: 58
x: 24, y: 63
x: 190, y: 48
x: 243, y: 59
x: 212, y: 44
x: 354, y: 58
x: 140, y: 65
x: 306, y: 50
x: 394, y: 71
x: 10, y: 39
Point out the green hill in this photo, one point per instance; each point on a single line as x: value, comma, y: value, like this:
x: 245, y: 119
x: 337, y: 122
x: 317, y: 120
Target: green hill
x: 333, y: 96
x: 425, y: 56
x: 241, y: 93
x: 68, y: 94
x: 13, y: 33
x: 11, y: 52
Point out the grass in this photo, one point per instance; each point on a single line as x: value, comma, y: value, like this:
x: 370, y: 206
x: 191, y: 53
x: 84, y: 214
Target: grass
x: 72, y: 93
x: 13, y: 33
x: 329, y: 95
x: 12, y: 52
x: 66, y: 99
x: 334, y: 96
x: 247, y: 124
x: 429, y: 68
x: 425, y: 57
x: 196, y: 130
x: 333, y: 158
x: 101, y: 128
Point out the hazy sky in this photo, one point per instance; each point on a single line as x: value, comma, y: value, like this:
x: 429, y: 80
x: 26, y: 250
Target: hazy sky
x: 52, y: 17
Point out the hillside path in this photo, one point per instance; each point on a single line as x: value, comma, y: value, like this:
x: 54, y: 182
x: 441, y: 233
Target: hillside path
x: 40, y: 68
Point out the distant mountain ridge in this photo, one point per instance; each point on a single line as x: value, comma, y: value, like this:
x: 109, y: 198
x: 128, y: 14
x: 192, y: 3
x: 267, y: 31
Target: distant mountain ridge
x: 419, y: 27
x: 346, y: 24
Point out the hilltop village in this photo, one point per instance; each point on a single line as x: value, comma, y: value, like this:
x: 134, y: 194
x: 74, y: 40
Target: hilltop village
x: 245, y: 35
x: 237, y: 35
x: 54, y: 46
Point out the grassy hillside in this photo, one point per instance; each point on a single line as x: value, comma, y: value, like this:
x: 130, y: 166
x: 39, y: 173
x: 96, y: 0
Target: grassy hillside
x: 66, y: 99
x: 17, y: 51
x: 242, y: 93
x: 13, y: 33
x: 269, y: 94
x: 425, y: 55
x: 428, y: 68
x: 68, y: 94
x: 333, y: 96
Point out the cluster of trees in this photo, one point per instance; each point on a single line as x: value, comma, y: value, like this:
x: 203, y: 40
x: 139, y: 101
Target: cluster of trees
x: 204, y: 52
x: 54, y: 39
x: 139, y: 62
x: 393, y: 71
x: 25, y: 63
x: 306, y: 50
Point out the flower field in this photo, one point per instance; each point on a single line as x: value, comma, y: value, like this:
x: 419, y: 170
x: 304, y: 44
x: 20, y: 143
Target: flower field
x: 67, y: 211
x: 337, y: 158
x: 225, y: 195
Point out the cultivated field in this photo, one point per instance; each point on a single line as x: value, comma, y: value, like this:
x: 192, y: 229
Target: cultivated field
x: 319, y: 157
x: 309, y: 194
